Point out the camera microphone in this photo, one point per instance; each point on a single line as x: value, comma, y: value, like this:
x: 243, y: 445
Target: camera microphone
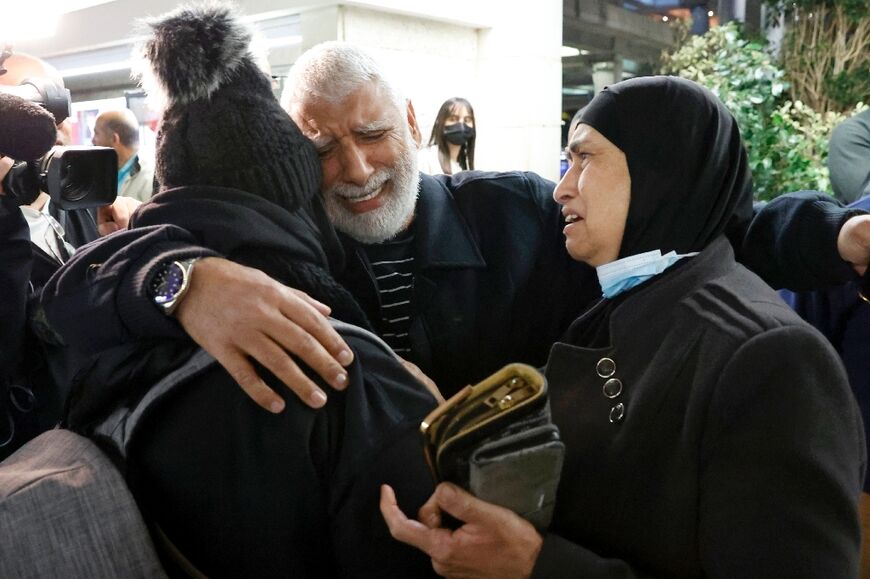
x: 27, y: 131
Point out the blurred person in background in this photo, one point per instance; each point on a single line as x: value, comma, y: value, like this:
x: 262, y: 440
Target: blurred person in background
x: 35, y: 240
x: 451, y: 145
x: 849, y: 157
x: 119, y: 130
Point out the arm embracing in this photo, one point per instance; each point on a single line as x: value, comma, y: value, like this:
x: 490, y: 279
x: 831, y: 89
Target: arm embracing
x: 98, y: 300
x: 782, y: 463
x: 804, y: 241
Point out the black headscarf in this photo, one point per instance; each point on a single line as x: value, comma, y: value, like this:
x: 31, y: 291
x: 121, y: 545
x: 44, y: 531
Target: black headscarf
x: 689, y: 173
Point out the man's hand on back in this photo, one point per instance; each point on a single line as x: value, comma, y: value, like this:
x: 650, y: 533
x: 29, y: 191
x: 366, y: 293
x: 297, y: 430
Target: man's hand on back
x: 236, y: 313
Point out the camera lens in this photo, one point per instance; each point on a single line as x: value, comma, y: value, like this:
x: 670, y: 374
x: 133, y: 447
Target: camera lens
x: 75, y: 181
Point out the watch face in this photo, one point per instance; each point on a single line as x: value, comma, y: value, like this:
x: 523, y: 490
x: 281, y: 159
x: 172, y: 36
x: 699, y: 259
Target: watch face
x: 167, y: 283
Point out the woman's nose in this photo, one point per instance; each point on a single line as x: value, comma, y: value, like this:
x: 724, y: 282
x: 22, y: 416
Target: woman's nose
x: 566, y: 189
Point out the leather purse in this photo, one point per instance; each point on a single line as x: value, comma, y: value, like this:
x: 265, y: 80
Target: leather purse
x: 496, y: 439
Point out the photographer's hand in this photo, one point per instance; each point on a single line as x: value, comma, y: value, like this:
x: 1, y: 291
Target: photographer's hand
x: 114, y: 217
x: 5, y: 165
x: 236, y: 313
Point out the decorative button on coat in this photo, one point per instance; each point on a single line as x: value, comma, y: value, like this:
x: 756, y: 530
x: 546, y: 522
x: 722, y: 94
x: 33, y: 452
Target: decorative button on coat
x: 612, y: 388
x: 617, y: 413
x: 605, y: 367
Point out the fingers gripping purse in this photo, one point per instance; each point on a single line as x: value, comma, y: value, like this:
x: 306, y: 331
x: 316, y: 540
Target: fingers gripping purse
x: 496, y: 440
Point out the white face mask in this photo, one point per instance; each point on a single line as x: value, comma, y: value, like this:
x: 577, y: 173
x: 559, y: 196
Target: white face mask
x: 623, y: 274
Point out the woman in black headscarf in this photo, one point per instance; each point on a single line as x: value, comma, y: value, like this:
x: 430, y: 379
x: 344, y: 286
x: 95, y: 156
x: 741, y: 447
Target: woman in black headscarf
x: 709, y: 432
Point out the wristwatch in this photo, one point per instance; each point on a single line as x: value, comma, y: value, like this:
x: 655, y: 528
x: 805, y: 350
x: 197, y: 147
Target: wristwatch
x: 169, y: 284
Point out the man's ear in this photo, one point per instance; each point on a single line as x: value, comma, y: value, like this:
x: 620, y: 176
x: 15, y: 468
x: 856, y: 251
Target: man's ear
x: 412, y: 124
x: 116, y: 141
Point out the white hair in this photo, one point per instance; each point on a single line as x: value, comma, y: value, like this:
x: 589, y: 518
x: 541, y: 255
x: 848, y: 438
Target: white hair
x: 332, y: 71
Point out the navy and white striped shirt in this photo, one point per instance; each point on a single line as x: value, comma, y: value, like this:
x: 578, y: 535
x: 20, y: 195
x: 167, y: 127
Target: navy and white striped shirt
x: 392, y: 263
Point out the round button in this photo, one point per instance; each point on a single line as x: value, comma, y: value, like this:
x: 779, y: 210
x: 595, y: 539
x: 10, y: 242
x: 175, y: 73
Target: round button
x: 605, y: 367
x: 612, y: 388
x: 617, y: 413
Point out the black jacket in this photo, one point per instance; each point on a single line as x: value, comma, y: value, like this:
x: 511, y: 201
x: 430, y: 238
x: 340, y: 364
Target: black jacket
x: 31, y: 392
x: 739, y: 451
x: 242, y: 492
x: 493, y: 282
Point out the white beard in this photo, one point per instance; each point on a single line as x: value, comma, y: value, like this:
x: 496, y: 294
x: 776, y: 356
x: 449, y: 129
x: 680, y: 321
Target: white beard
x: 390, y: 219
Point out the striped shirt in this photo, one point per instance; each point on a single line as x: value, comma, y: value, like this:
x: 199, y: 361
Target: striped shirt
x: 392, y: 263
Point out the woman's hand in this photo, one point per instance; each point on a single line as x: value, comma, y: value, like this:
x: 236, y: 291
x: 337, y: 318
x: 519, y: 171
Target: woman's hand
x: 493, y: 542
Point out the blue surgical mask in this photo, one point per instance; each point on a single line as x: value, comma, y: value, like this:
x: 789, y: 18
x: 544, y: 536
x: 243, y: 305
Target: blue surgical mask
x: 623, y: 274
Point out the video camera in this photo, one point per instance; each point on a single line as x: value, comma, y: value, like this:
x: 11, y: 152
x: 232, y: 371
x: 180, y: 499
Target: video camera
x: 75, y: 177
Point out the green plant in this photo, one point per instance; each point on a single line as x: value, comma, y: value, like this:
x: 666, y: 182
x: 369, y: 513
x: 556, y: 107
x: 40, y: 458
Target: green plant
x: 787, y: 141
x: 826, y: 51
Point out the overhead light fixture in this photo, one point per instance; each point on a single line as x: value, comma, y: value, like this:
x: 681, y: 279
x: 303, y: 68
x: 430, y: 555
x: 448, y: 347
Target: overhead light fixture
x: 710, y: 14
x: 584, y: 52
x: 28, y: 22
x: 569, y: 51
x: 664, y: 18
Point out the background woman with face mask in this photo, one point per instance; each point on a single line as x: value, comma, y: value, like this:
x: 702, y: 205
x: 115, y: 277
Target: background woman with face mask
x: 709, y: 431
x: 451, y: 146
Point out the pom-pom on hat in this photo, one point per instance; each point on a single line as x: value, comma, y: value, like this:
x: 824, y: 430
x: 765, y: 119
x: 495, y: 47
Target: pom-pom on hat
x: 221, y: 124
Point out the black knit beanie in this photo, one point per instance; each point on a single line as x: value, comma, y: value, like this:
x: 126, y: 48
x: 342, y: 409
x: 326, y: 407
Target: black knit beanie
x: 221, y: 124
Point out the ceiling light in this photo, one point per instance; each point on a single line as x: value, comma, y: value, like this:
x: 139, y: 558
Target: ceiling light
x: 664, y: 18
x: 26, y: 23
x: 710, y: 14
x: 569, y: 51
x: 584, y: 52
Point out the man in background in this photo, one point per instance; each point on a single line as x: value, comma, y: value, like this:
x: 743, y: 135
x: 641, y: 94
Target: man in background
x: 120, y: 130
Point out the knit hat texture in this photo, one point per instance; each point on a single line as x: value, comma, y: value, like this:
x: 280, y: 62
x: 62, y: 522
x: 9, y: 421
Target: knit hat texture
x: 222, y: 124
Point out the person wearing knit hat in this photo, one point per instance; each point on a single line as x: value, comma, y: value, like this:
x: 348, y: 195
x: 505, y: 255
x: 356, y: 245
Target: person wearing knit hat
x: 709, y: 431
x: 234, y: 490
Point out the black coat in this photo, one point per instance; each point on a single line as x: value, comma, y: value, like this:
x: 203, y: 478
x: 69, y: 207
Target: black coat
x: 493, y: 282
x: 35, y: 400
x: 736, y: 448
x: 242, y: 492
